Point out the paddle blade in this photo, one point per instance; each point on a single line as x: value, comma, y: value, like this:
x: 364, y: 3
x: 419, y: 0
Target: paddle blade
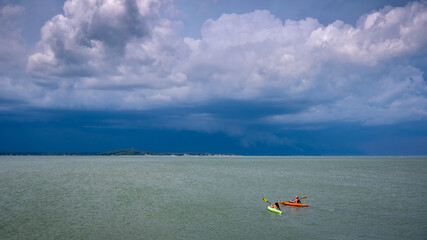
x: 304, y: 197
x: 266, y: 200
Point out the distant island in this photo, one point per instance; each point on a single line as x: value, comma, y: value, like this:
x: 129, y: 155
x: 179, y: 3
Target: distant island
x: 120, y: 152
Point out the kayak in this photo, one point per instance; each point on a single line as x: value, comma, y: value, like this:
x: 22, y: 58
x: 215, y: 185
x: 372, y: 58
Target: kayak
x: 294, y: 204
x: 274, y: 210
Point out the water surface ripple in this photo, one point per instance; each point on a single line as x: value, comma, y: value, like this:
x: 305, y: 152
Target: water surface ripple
x: 138, y: 197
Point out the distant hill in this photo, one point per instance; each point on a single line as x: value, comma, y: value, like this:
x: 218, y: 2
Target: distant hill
x: 138, y: 152
x: 125, y: 152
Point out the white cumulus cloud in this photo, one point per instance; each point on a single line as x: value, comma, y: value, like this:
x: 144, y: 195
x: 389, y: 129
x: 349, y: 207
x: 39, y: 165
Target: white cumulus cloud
x: 121, y: 54
x: 90, y: 37
x: 342, y: 72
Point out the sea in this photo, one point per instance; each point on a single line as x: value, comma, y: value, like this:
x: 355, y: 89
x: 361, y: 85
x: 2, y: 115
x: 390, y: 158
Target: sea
x: 212, y: 197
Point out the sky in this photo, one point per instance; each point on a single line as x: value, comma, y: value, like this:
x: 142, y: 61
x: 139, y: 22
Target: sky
x: 289, y: 77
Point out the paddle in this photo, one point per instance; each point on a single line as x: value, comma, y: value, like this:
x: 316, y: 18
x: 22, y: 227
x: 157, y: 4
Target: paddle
x: 300, y: 198
x: 266, y: 200
x: 270, y: 203
x: 303, y: 197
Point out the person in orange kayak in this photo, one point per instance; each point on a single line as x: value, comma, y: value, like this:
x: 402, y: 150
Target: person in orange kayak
x: 297, y: 200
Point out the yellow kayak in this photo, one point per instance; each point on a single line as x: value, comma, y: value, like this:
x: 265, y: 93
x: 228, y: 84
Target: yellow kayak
x: 274, y: 210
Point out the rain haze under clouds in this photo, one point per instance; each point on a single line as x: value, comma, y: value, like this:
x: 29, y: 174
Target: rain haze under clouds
x: 212, y: 76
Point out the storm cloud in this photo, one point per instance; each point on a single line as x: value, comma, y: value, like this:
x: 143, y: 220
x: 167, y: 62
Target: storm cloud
x: 128, y: 55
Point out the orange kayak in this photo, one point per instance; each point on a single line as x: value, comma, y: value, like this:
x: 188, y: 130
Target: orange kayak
x: 294, y: 204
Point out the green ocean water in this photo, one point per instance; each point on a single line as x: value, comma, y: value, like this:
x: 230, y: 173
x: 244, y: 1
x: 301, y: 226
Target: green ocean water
x: 137, y: 197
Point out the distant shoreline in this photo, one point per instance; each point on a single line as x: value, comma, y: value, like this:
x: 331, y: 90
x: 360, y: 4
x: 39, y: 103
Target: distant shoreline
x: 122, y: 152
x: 133, y: 152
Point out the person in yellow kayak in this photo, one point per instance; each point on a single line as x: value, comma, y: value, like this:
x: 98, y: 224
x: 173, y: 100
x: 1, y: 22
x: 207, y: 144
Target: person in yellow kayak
x: 276, y: 206
x: 297, y: 200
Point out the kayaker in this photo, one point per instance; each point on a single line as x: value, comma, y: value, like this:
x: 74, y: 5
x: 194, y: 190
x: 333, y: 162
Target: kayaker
x: 297, y: 200
x: 276, y: 205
